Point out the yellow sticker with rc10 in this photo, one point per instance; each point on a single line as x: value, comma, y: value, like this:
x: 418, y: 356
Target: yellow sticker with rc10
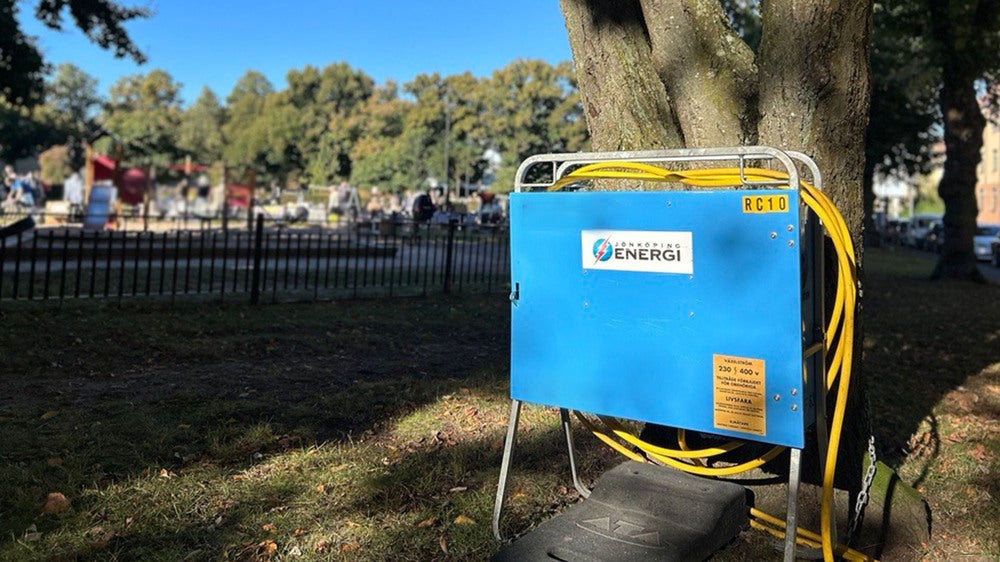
x: 738, y: 394
x: 765, y: 204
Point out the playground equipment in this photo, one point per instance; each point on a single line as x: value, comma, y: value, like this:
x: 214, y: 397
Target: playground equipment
x: 699, y: 309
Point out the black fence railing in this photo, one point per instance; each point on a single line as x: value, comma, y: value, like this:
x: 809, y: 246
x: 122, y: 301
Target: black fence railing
x: 275, y: 263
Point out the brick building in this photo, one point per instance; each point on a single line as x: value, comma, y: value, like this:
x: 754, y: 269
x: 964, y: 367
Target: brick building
x: 988, y: 183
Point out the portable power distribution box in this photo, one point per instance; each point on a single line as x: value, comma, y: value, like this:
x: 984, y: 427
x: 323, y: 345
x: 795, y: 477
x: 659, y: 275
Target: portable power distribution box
x: 692, y: 309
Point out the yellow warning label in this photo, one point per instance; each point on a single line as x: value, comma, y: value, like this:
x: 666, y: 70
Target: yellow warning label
x: 738, y: 394
x: 765, y: 203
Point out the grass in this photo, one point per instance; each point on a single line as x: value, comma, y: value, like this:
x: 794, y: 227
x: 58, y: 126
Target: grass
x: 372, y: 430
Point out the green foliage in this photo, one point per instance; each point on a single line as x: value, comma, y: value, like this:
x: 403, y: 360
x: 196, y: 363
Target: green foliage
x: 904, y: 90
x: 328, y: 125
x: 25, y: 131
x: 73, y: 93
x: 102, y: 21
x: 55, y: 165
x: 533, y: 107
x: 143, y: 114
x: 200, y: 130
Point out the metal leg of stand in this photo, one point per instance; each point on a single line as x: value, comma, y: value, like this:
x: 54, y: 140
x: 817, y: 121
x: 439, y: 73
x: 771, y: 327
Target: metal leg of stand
x: 508, y: 452
x: 791, y: 520
x: 583, y: 490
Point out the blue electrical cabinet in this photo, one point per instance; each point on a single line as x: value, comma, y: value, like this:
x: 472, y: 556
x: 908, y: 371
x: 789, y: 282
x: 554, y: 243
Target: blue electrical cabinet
x: 683, y: 308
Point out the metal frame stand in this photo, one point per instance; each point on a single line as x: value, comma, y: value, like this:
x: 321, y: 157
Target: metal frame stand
x: 814, y: 354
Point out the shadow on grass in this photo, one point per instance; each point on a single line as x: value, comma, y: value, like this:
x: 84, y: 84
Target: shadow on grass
x: 96, y: 397
x: 923, y: 341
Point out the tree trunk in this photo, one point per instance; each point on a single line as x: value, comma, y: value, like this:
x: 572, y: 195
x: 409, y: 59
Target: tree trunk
x: 963, y: 139
x: 708, y: 71
x: 957, y: 28
x: 625, y: 102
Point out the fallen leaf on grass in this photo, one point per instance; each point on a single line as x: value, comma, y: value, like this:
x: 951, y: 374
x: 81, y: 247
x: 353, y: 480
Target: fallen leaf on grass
x: 54, y: 462
x: 458, y: 489
x: 321, y: 546
x: 269, y: 527
x: 164, y: 473
x: 464, y: 520
x: 429, y: 522
x: 49, y: 415
x: 443, y: 544
x: 979, y: 453
x: 299, y: 532
x: 55, y: 503
x: 320, y: 488
x: 350, y: 547
x: 352, y: 524
x: 269, y: 547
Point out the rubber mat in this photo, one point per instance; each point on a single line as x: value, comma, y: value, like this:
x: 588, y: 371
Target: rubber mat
x: 639, y: 511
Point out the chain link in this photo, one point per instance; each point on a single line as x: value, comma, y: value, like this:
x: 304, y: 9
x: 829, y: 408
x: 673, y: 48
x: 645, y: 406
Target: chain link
x: 869, y: 477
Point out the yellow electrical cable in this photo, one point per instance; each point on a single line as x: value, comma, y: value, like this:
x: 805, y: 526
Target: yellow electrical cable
x: 840, y: 329
x: 682, y: 443
x: 622, y: 433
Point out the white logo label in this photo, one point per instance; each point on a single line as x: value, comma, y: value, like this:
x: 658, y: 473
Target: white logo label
x: 637, y: 250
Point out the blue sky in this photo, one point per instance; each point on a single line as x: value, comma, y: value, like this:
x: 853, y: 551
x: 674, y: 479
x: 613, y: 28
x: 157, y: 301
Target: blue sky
x: 213, y: 42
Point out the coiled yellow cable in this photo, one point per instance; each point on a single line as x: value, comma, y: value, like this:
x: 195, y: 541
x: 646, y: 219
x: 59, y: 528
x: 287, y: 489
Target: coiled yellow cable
x: 840, y: 331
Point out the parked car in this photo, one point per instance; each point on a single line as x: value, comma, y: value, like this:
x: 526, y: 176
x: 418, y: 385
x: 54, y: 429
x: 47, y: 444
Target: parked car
x: 934, y: 240
x: 893, y: 230
x: 920, y: 225
x: 982, y: 242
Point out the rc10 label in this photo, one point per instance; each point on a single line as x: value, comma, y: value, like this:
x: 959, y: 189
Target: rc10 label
x: 738, y: 394
x: 765, y: 203
x: 652, y: 251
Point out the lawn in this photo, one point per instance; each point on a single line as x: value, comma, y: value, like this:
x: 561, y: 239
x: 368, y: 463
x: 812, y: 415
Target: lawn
x: 372, y: 430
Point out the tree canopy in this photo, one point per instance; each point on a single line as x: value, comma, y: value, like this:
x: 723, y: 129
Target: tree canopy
x: 22, y: 67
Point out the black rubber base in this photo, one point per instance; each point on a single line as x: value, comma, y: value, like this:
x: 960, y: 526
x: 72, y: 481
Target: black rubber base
x: 639, y: 512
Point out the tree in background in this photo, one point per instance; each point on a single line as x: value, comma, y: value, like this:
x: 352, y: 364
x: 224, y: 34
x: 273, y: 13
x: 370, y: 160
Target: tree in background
x: 244, y: 133
x: 26, y: 130
x: 378, y: 157
x: 143, y: 114
x: 900, y: 135
x: 327, y: 102
x: 965, y: 36
x: 199, y: 132
x: 532, y: 107
x: 72, y: 95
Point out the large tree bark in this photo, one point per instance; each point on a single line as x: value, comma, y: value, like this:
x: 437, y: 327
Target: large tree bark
x: 625, y: 102
x: 708, y: 71
x: 807, y: 90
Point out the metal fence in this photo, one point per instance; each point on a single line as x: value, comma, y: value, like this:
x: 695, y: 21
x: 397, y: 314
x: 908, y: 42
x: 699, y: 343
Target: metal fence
x: 275, y: 263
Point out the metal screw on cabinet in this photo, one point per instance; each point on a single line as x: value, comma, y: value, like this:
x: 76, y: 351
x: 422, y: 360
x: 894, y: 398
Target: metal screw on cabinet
x: 795, y: 392
x: 777, y: 397
x: 794, y: 408
x: 790, y: 228
x: 774, y: 235
x: 791, y: 243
